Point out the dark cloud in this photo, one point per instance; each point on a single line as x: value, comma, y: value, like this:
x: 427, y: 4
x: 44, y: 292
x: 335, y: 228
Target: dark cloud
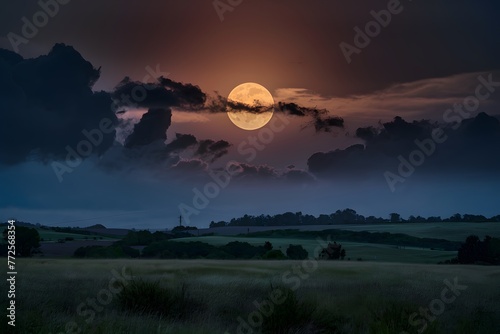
x: 470, y: 148
x: 324, y: 163
x: 47, y: 102
x: 152, y: 127
x: 320, y: 118
x: 145, y: 149
x: 220, y: 104
x: 164, y: 93
x: 190, y: 166
x: 246, y: 172
x: 186, y: 94
x: 212, y: 150
x: 181, y: 142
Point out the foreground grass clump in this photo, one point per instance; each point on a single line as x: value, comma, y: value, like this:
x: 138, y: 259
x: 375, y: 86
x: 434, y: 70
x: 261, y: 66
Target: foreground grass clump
x: 149, y: 297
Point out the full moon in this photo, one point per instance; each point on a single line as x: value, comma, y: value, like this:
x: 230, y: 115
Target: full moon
x: 253, y: 95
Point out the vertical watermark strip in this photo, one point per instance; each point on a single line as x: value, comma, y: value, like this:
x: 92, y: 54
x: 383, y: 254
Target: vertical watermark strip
x: 11, y: 273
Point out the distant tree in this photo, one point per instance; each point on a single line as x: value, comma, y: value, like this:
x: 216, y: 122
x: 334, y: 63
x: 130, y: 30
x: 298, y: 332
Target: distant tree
x: 474, y: 218
x: 296, y: 252
x: 268, y: 246
x: 373, y: 220
x: 274, y: 255
x: 395, y: 217
x: 243, y: 250
x: 476, y: 251
x: 495, y: 218
x: 183, y: 228
x: 342, y: 254
x: 27, y: 240
x: 346, y: 216
x: 323, y: 220
x: 218, y: 224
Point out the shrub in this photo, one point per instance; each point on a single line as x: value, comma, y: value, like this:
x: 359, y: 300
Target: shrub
x: 296, y: 252
x: 274, y: 255
x: 179, y: 250
x: 268, y: 246
x: 243, y: 250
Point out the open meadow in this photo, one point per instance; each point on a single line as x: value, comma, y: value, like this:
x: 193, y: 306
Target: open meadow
x: 240, y: 296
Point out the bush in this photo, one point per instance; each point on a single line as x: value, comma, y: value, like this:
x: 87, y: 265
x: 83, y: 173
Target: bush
x: 243, y: 250
x: 296, y: 252
x: 479, y: 252
x: 274, y: 255
x: 199, y: 250
x: 180, y: 250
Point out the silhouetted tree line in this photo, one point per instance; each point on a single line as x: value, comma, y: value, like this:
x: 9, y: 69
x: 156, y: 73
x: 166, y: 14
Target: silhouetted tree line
x: 200, y: 250
x: 234, y: 250
x: 183, y: 228
x: 475, y: 251
x: 346, y: 216
x: 386, y: 238
x: 142, y: 238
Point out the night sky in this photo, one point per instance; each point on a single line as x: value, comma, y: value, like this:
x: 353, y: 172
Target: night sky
x: 380, y: 106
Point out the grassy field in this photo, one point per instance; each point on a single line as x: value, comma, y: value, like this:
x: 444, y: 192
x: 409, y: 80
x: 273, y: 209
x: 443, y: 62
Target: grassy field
x: 49, y: 235
x: 346, y: 297
x: 365, y: 251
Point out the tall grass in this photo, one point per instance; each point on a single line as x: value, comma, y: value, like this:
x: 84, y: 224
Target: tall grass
x: 207, y: 297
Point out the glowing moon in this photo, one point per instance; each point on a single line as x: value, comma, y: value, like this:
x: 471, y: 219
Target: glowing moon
x: 253, y: 95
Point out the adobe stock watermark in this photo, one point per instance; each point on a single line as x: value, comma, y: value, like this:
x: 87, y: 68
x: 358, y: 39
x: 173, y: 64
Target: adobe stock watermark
x: 291, y: 279
x: 87, y: 310
x: 436, y: 307
x: 30, y: 27
x: 94, y: 137
x: 221, y: 179
x: 427, y: 147
x: 372, y: 29
x: 223, y: 6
